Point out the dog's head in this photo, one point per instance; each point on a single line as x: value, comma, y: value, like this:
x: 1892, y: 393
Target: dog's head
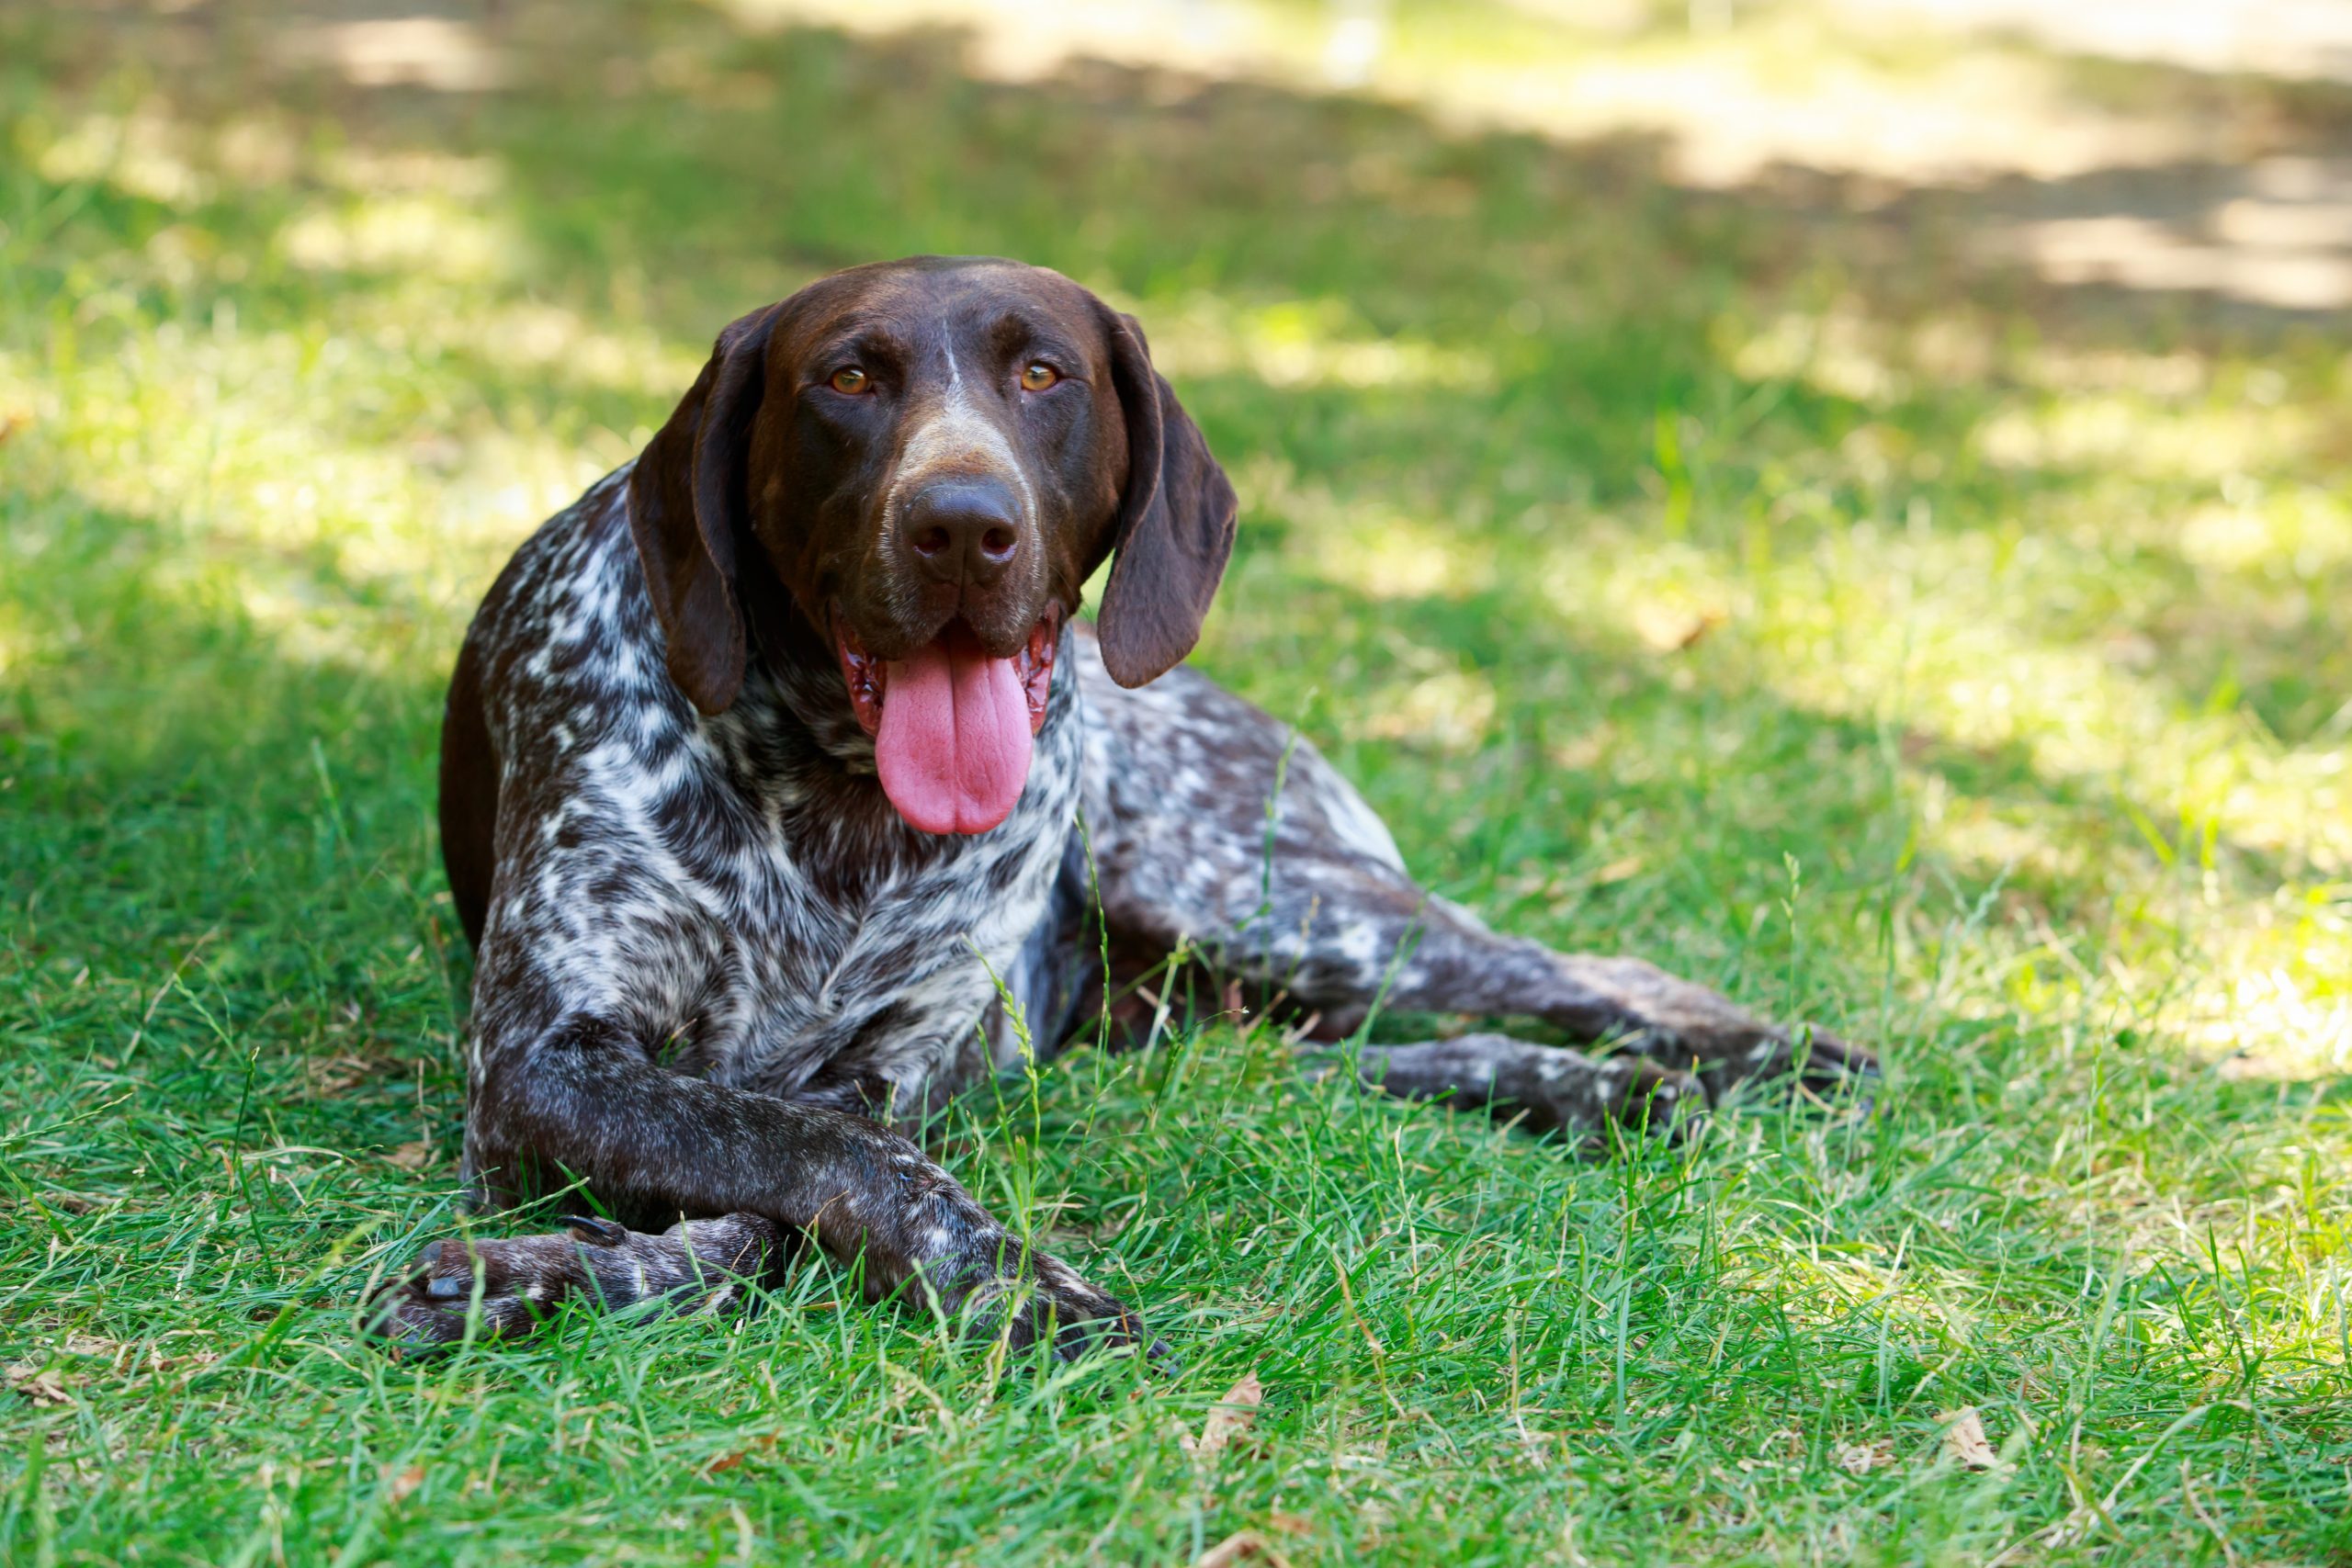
x: 931, y: 456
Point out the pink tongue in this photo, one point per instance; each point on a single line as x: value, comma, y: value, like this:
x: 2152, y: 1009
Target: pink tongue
x: 952, y: 746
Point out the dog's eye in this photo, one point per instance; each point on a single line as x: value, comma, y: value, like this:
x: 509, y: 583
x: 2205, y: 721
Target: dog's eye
x: 1037, y: 376
x: 849, y: 379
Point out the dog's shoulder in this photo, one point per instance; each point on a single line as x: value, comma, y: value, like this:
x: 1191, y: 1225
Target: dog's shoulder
x: 569, y: 617
x: 1183, y: 737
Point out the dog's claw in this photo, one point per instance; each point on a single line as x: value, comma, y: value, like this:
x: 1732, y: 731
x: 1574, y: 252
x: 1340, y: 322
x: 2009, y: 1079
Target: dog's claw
x: 1822, y: 1067
x: 592, y: 1232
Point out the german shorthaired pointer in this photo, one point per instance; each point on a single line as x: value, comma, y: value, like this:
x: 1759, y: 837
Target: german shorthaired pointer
x: 782, y: 797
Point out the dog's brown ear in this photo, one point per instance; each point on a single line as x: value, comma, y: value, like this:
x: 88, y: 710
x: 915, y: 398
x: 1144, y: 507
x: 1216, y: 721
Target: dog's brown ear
x: 1175, y: 528
x: 688, y: 510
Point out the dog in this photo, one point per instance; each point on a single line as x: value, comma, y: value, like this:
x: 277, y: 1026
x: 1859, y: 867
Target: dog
x: 784, y: 797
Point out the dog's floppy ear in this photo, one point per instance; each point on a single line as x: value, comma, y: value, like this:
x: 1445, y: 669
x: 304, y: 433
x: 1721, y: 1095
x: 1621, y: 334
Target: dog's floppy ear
x: 1175, y: 525
x: 687, y: 509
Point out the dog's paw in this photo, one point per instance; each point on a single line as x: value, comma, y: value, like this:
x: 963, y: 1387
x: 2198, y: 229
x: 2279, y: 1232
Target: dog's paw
x: 1051, y: 1303
x: 500, y: 1289
x: 1541, y: 1087
x: 1641, y: 1096
x: 1818, y: 1063
x: 495, y: 1289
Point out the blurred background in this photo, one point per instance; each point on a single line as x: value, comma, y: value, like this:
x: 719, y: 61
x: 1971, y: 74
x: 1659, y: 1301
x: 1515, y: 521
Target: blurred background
x: 1882, y: 453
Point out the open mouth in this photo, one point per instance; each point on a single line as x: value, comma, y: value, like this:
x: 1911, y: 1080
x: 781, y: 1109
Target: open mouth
x: 952, y: 725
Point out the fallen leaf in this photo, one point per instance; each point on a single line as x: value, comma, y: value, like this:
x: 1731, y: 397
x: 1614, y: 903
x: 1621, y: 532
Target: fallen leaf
x: 1227, y: 1418
x: 2255, y: 1067
x: 1965, y: 1441
x: 193, y: 1361
x: 1243, y: 1546
x: 1584, y: 750
x: 1618, y: 871
x: 43, y: 1385
x: 1860, y: 1459
x: 332, y: 1076
x: 126, y: 1359
x: 407, y: 1480
x: 765, y: 1443
x: 1669, y: 629
x: 412, y: 1156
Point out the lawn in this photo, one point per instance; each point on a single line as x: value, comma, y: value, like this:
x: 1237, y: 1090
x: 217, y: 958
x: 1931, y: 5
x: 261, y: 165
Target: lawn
x: 1751, y: 573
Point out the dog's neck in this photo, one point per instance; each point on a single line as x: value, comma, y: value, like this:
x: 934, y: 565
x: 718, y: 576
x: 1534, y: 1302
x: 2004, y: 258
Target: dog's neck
x: 806, y: 690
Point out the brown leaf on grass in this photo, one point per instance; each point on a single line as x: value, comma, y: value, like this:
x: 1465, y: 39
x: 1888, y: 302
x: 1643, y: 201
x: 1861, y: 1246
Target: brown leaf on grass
x: 1585, y: 750
x: 1860, y: 1459
x: 41, y: 1385
x: 1670, y: 627
x: 327, y: 1076
x: 412, y: 1156
x: 406, y: 1482
x: 1964, y: 1442
x: 1242, y: 1546
x: 734, y: 1457
x: 1228, y: 1419
x: 121, y: 1358
x: 125, y: 1360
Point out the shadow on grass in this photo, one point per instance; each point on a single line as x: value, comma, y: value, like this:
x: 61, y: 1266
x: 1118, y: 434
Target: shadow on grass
x: 663, y: 167
x: 220, y: 860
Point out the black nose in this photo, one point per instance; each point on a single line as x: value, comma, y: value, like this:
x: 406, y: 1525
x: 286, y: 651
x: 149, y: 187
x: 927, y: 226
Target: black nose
x: 962, y: 531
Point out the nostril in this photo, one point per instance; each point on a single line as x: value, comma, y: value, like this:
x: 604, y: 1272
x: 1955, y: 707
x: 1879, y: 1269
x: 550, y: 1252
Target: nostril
x: 957, y: 528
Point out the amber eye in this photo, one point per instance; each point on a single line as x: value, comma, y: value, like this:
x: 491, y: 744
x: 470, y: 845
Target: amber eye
x: 851, y: 380
x: 1037, y: 376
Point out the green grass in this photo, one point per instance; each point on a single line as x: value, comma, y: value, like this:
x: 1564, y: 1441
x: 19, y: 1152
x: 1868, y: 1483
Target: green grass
x: 2013, y: 741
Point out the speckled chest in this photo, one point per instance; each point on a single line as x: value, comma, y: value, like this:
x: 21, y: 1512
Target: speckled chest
x: 732, y: 889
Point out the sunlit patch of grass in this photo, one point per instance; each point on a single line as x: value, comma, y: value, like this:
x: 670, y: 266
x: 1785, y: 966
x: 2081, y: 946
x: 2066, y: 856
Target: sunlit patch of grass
x: 2123, y: 791
x: 1304, y: 344
x: 1761, y: 84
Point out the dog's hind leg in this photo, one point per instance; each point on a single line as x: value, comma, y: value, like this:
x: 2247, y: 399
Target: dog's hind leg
x: 1540, y: 1087
x: 1366, y: 936
x: 1214, y: 826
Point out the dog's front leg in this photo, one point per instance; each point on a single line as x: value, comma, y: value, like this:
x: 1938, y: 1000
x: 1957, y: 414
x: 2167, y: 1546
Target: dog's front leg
x: 741, y: 1170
